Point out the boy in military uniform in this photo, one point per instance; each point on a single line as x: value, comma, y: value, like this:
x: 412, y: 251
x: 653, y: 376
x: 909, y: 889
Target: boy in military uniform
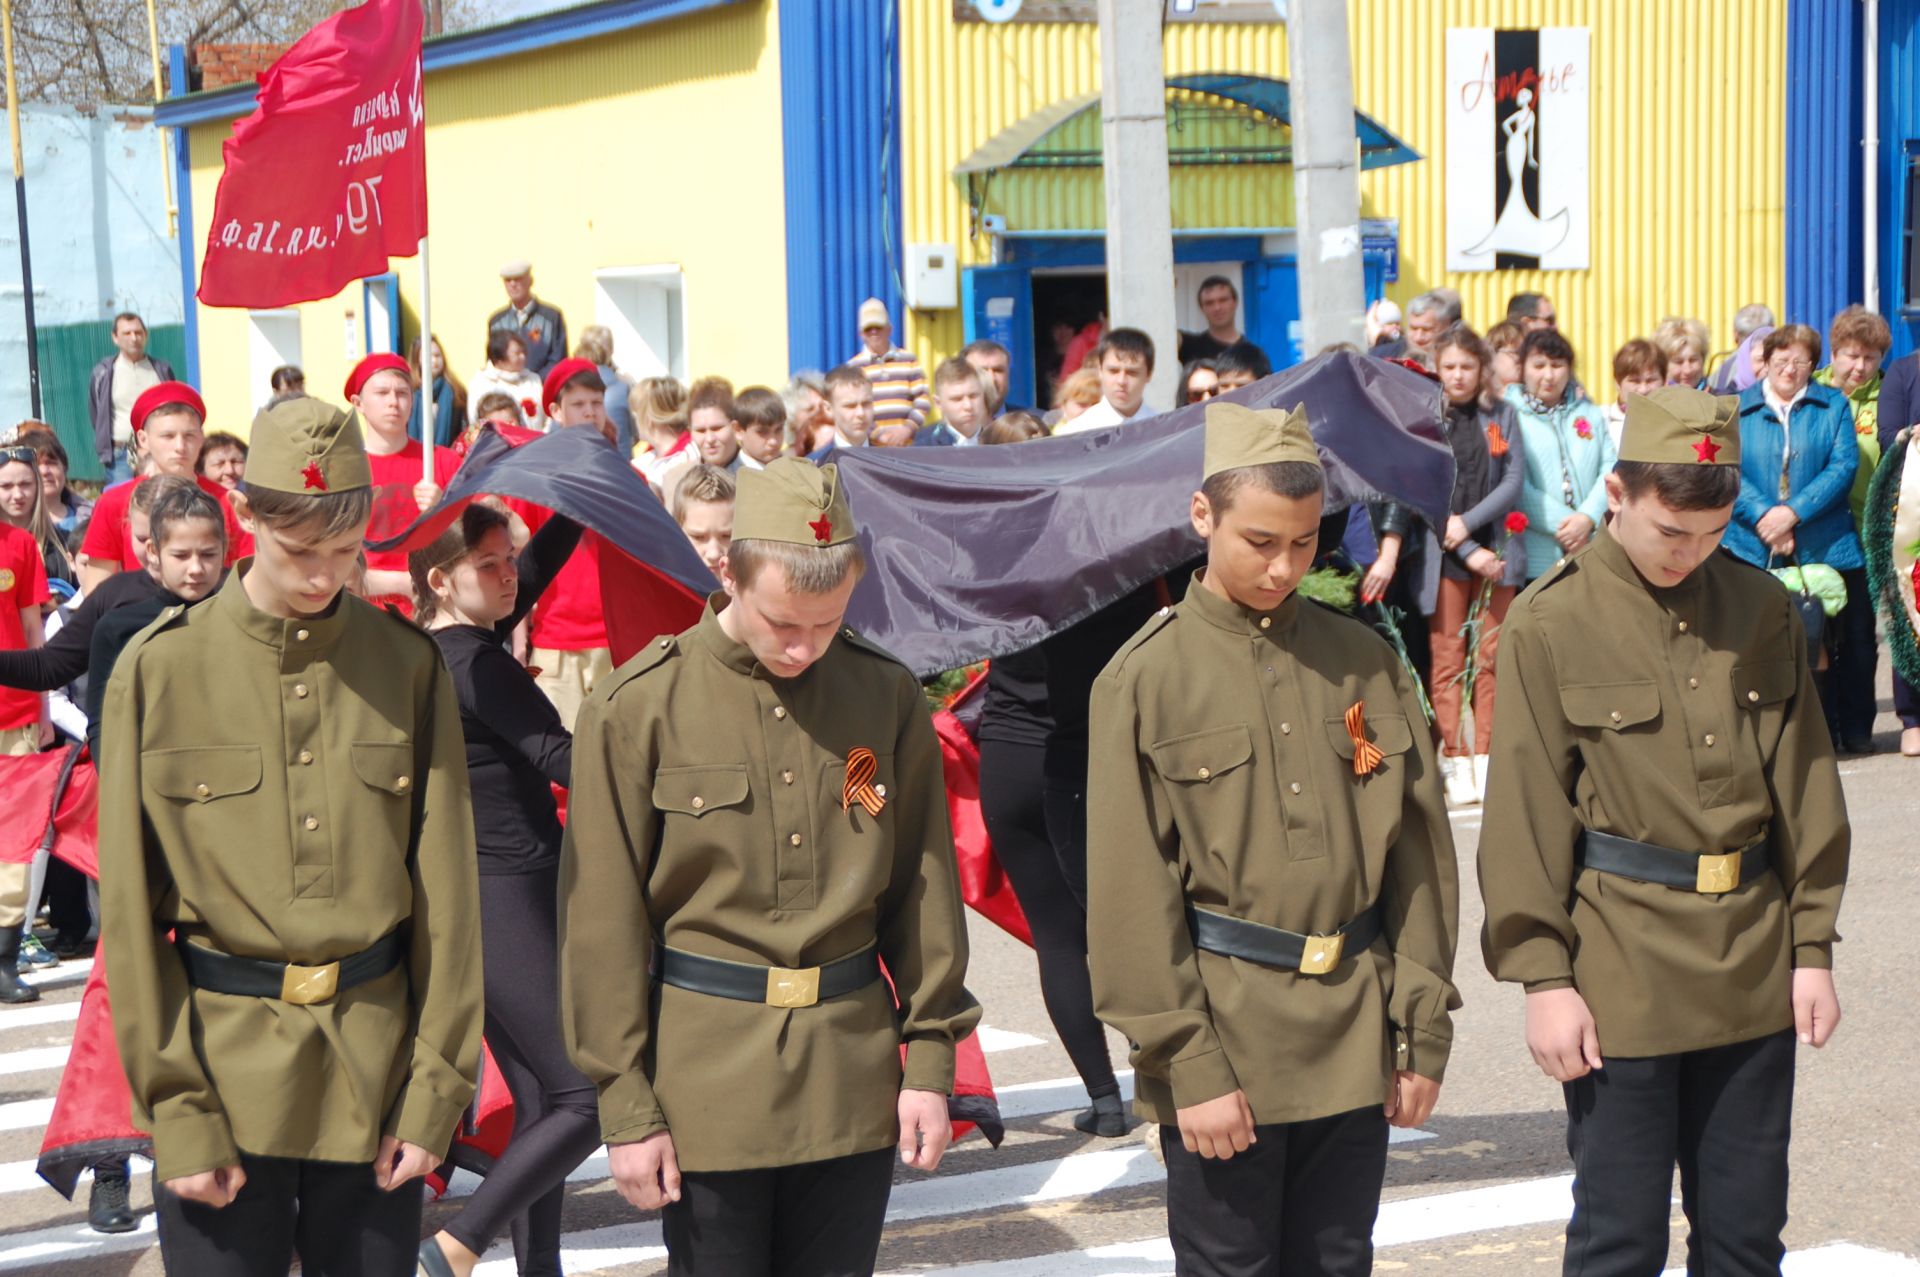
x: 1664, y: 853
x: 1272, y: 894
x: 758, y: 820
x: 288, y: 879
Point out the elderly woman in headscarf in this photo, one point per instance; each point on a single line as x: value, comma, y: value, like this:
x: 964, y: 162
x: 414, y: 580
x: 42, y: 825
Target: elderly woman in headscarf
x: 1745, y: 366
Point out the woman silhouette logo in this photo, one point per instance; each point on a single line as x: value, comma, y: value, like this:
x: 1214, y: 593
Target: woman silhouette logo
x: 1519, y: 230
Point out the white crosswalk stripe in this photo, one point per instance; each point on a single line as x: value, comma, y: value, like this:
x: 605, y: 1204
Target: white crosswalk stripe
x: 33, y: 1043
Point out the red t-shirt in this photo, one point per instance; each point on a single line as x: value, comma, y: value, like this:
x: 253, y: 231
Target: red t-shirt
x: 570, y: 616
x: 110, y: 534
x: 394, y: 477
x: 23, y: 583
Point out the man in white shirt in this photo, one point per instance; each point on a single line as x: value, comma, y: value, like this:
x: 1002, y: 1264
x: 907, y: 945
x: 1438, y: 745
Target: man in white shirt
x: 850, y: 403
x: 1125, y: 360
x: 960, y: 393
x: 117, y: 381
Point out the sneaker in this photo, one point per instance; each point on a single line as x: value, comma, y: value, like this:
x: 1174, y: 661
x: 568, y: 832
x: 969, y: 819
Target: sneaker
x: 1459, y: 781
x: 69, y: 945
x: 33, y: 954
x: 108, y: 1210
x: 1480, y: 776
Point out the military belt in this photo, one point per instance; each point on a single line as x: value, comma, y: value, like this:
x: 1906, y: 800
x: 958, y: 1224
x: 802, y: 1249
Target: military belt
x: 774, y: 986
x: 219, y: 972
x: 1274, y: 947
x: 1690, y: 871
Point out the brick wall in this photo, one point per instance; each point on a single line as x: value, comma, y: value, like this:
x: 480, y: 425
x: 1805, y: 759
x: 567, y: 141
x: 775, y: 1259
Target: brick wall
x: 219, y: 65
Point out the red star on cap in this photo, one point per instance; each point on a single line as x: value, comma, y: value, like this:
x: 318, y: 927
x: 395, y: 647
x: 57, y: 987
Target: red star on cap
x: 822, y: 529
x: 1707, y: 450
x: 312, y: 477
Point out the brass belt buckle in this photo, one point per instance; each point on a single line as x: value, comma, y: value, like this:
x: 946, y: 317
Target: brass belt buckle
x: 304, y: 986
x: 1717, y: 875
x: 1322, y: 954
x: 790, y: 988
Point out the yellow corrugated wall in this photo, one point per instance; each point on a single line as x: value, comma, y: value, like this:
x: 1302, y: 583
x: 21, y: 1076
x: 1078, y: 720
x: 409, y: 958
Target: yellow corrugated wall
x: 658, y: 146
x: 1688, y: 173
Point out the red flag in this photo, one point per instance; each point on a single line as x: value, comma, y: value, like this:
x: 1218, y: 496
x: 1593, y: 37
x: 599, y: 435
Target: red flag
x: 327, y: 178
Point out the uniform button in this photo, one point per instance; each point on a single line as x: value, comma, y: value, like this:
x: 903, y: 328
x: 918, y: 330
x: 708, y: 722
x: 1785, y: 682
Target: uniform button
x: 1295, y: 787
x: 403, y: 783
x: 1204, y: 774
x: 1683, y: 627
x: 880, y: 790
x: 1615, y: 715
x: 300, y: 636
x: 779, y: 711
x: 665, y: 644
x: 1163, y: 611
x: 1693, y: 682
x: 1753, y: 697
x: 1286, y: 729
x: 306, y: 758
x: 313, y: 822
x: 202, y: 791
x: 1266, y: 622
x: 794, y: 839
x: 698, y: 802
x: 1709, y: 740
x: 300, y: 690
x: 786, y: 778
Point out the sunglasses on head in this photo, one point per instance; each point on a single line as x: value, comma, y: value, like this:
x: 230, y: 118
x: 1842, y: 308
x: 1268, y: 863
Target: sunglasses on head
x: 29, y: 455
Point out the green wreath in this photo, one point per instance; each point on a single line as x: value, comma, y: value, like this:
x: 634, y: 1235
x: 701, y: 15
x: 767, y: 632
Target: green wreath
x: 1890, y: 586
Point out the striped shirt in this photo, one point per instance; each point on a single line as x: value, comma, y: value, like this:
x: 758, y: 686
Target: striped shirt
x: 899, y: 387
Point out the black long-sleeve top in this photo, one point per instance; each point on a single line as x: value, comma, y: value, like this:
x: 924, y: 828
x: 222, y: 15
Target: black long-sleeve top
x: 516, y: 742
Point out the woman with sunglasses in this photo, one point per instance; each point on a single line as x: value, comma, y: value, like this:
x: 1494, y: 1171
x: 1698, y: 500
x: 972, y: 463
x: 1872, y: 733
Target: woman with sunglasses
x: 22, y: 506
x: 1199, y: 382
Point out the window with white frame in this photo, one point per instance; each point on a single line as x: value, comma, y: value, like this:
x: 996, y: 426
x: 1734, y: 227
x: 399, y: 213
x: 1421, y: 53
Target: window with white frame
x: 273, y: 339
x: 645, y: 308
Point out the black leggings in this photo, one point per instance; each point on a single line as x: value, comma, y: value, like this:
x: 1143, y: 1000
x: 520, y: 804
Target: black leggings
x: 1014, y: 800
x: 555, y: 1108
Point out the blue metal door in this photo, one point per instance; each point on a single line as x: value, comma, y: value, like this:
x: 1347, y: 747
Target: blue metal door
x: 1270, y: 302
x: 997, y: 302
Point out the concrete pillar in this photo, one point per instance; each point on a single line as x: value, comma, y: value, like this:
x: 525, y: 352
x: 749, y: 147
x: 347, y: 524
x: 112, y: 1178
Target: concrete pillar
x: 1326, y: 176
x: 1133, y: 130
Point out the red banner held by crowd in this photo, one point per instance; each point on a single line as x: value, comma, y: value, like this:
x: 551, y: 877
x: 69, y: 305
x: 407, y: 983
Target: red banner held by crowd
x: 327, y: 178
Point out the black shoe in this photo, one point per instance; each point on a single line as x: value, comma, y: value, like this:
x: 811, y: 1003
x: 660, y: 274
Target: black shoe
x: 1857, y: 745
x: 108, y: 1210
x: 12, y: 987
x: 67, y: 944
x: 1107, y: 1118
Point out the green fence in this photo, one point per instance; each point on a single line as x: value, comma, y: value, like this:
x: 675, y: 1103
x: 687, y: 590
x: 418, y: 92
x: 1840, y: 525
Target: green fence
x: 68, y: 353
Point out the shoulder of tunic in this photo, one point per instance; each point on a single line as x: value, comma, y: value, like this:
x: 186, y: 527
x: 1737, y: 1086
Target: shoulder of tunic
x: 1160, y: 622
x: 651, y: 657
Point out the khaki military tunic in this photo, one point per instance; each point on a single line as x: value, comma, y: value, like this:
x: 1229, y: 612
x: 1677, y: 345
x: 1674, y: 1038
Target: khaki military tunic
x: 290, y: 790
x: 1222, y: 775
x: 706, y: 815
x: 1685, y: 717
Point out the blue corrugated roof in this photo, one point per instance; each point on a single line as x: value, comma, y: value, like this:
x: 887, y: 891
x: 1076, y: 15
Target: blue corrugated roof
x: 544, y: 30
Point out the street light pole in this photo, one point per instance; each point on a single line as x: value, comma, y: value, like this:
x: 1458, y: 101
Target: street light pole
x: 20, y: 204
x: 1326, y: 177
x: 1133, y: 126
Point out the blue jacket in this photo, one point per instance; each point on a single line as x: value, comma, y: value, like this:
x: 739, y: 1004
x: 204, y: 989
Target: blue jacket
x: 1819, y: 477
x: 1588, y: 456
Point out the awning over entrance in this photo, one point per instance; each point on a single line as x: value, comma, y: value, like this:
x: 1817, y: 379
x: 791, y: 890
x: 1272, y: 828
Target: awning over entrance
x: 1043, y: 173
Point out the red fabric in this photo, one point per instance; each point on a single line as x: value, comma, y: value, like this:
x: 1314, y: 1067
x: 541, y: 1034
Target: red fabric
x: 381, y: 361
x: 572, y: 616
x: 639, y: 604
x: 394, y: 509
x: 110, y: 533
x: 1079, y: 347
x: 487, y: 1127
x: 162, y: 395
x: 94, y: 1105
x: 27, y: 786
x: 327, y: 179
x: 23, y: 584
x: 983, y: 883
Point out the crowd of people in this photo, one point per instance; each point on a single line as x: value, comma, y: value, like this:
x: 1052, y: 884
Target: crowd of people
x: 510, y: 596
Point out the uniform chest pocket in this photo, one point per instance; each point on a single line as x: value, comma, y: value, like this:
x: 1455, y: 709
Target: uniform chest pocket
x: 695, y: 791
x: 1389, y: 733
x: 1202, y: 757
x: 383, y: 765
x: 1763, y: 683
x: 1610, y: 706
x: 202, y: 775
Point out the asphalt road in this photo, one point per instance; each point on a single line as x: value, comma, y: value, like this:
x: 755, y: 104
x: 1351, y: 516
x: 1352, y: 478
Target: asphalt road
x: 1481, y: 1191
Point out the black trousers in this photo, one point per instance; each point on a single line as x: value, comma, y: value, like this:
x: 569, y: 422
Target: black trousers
x: 1906, y: 702
x: 1724, y: 1115
x: 1852, y: 706
x: 1300, y: 1202
x: 333, y: 1213
x: 819, y: 1219
x: 1013, y: 801
x: 556, y: 1115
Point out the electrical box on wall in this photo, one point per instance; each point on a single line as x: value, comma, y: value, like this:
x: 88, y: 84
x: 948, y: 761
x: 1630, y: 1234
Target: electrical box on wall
x: 933, y: 277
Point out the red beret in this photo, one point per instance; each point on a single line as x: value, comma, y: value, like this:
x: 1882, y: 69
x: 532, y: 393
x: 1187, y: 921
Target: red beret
x: 563, y: 372
x: 165, y: 395
x: 371, y: 365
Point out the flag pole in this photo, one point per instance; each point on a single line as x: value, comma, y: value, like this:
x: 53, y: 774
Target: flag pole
x: 20, y: 204
x: 159, y: 92
x: 427, y: 406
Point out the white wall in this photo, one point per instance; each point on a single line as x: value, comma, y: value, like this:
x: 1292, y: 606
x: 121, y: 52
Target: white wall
x: 97, y: 220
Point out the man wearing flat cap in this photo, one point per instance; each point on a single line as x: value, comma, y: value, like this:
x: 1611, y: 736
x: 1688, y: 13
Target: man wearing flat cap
x: 541, y: 326
x: 758, y: 821
x: 1272, y: 902
x: 289, y: 889
x: 1664, y: 853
